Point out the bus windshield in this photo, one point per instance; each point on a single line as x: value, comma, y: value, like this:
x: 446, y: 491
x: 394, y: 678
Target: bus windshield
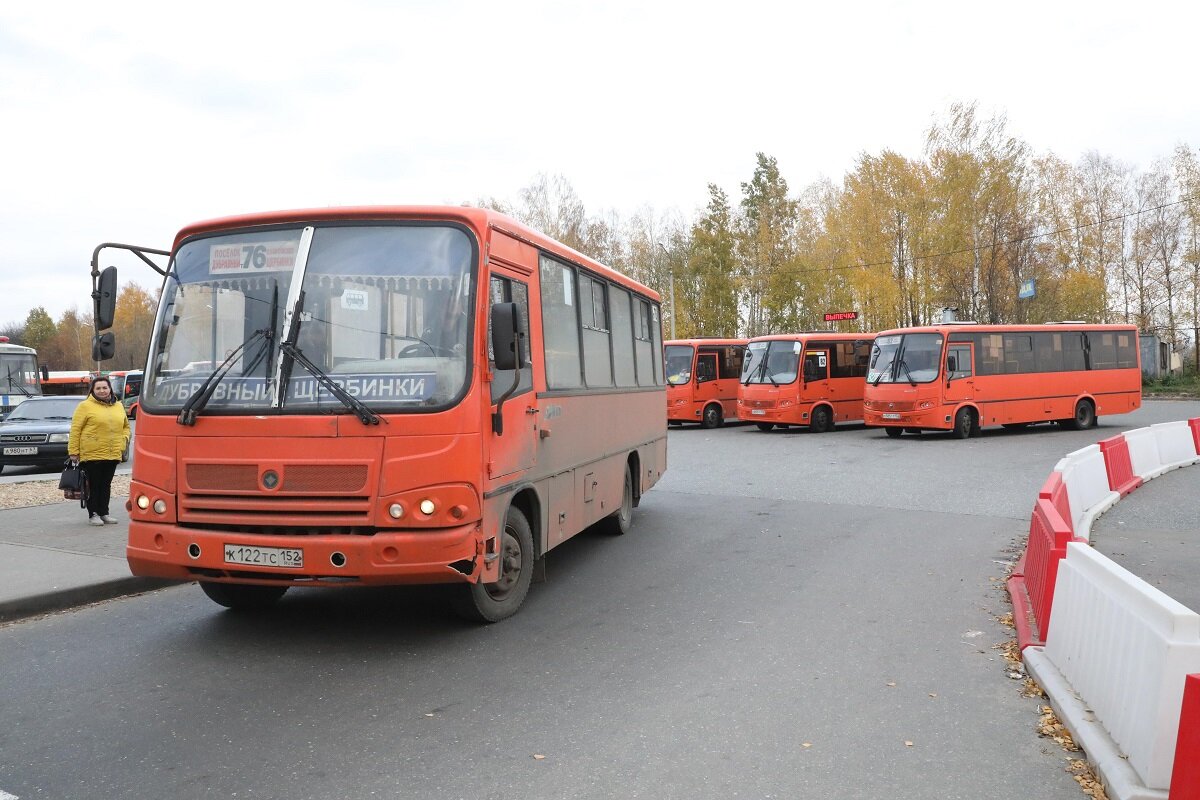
x: 905, y: 358
x: 679, y: 363
x: 19, y: 374
x: 385, y: 310
x: 771, y: 362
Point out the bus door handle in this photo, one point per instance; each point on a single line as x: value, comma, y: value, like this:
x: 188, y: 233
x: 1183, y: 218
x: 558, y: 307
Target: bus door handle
x: 532, y: 410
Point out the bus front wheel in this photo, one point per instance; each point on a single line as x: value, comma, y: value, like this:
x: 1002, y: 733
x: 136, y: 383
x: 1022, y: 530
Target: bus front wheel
x: 712, y: 416
x: 765, y: 426
x: 822, y: 420
x: 242, y: 596
x: 1085, y: 416
x: 893, y: 433
x: 964, y: 423
x: 492, y: 602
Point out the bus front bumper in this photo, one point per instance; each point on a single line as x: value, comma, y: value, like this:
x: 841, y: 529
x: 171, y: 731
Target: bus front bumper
x: 931, y: 419
x: 448, y: 555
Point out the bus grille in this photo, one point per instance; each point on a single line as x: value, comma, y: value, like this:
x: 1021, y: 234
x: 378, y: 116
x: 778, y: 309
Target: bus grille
x: 759, y: 403
x: 309, y: 496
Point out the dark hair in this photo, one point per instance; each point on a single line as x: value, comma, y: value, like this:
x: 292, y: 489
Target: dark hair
x: 92, y: 388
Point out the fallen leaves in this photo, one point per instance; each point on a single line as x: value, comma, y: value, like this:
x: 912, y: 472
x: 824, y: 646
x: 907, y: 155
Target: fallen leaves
x: 1050, y: 727
x: 538, y: 757
x: 1081, y: 771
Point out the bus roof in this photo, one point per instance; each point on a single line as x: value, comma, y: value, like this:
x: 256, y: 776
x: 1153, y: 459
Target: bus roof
x: 803, y: 336
x: 703, y: 340
x: 479, y: 219
x: 963, y: 327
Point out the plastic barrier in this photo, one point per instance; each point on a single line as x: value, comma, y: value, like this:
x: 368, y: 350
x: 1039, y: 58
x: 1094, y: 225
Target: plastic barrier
x: 1086, y: 477
x: 1121, y: 478
x: 1049, y: 534
x: 1195, y: 424
x: 1143, y: 453
x: 1055, y: 491
x: 1185, y: 780
x: 1124, y: 645
x: 1176, y: 444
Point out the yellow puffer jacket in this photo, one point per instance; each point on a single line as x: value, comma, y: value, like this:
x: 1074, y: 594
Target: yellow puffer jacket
x: 99, y: 431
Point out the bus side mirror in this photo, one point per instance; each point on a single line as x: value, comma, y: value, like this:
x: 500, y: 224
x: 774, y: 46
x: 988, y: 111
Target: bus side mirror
x: 951, y: 364
x: 507, y: 332
x: 104, y: 346
x: 105, y: 298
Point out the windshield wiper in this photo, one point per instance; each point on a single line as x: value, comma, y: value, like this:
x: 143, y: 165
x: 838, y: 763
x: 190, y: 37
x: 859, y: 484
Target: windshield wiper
x: 904, y: 367
x: 16, y: 385
x: 365, y: 415
x: 197, y: 402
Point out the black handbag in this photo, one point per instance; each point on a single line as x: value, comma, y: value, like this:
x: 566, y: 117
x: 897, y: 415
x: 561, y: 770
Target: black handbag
x: 72, y: 478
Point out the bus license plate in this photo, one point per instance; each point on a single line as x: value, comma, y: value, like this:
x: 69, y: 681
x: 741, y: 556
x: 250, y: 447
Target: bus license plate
x: 20, y: 451
x: 758, y: 411
x: 891, y: 416
x: 291, y: 557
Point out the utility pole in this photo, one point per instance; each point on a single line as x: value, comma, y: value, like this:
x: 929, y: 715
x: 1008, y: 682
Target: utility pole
x: 670, y: 285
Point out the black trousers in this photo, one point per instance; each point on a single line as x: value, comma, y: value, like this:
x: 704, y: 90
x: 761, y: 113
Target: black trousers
x: 100, y: 478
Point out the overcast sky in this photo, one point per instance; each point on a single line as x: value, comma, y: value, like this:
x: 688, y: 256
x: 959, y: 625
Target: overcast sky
x: 125, y: 121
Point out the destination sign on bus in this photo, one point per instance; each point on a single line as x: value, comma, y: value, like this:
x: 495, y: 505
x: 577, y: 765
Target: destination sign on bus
x: 408, y: 387
x: 228, y: 258
x: 838, y: 316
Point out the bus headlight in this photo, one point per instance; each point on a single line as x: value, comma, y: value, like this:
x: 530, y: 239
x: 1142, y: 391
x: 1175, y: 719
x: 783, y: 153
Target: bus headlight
x: 160, y: 507
x: 427, y: 507
x: 395, y: 511
x: 143, y: 502
x: 925, y: 404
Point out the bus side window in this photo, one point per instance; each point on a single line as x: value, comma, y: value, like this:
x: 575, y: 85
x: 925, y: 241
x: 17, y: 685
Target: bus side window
x: 706, y: 368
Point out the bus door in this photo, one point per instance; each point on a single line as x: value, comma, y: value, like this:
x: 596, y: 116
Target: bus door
x: 515, y: 449
x: 816, y: 375
x: 707, y: 385
x: 960, y: 373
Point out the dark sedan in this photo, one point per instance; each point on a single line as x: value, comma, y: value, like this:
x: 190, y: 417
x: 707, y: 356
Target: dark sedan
x: 35, y: 433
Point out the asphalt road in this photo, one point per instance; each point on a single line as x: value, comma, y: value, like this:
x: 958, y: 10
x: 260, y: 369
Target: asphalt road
x: 789, y: 613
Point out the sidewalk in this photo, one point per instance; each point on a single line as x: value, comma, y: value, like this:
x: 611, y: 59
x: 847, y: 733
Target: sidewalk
x: 51, y: 559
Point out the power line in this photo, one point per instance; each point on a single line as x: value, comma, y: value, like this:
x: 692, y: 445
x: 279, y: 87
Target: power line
x: 1006, y: 242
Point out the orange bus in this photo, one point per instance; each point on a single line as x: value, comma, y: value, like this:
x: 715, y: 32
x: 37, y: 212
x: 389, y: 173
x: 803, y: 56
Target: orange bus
x: 775, y: 391
x: 66, y: 382
x: 384, y: 396
x: 702, y: 380
x: 961, y: 376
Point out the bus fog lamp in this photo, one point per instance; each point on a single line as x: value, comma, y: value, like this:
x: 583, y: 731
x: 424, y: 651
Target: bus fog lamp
x: 395, y: 511
x: 427, y: 507
x: 160, y: 507
x: 143, y: 502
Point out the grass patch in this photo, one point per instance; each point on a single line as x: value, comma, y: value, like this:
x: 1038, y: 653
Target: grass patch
x: 1173, y: 386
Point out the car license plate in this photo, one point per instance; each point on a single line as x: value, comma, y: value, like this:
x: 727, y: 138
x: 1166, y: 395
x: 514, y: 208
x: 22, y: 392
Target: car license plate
x: 891, y: 416
x: 20, y: 451
x: 292, y: 557
x: 759, y: 411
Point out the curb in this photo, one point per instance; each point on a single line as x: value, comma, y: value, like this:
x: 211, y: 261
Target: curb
x: 75, y: 596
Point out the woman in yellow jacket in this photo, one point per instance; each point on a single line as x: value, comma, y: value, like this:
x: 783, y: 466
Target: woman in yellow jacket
x: 99, y: 433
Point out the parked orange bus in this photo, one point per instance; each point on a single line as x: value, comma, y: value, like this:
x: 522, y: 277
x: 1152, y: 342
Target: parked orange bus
x: 702, y: 380
x: 66, y: 382
x: 961, y: 376
x: 385, y: 396
x: 776, y: 391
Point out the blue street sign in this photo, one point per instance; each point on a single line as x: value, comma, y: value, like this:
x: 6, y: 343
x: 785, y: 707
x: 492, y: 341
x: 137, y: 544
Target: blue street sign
x: 1027, y: 289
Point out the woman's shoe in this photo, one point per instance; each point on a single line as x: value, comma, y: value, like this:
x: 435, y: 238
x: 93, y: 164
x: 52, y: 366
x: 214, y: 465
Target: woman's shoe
x: 109, y: 519
x: 95, y: 521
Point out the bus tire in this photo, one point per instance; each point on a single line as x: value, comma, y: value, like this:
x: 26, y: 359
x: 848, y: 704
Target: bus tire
x: 1085, y: 416
x: 821, y: 420
x: 964, y: 423
x: 677, y: 423
x: 620, y: 521
x: 893, y: 433
x: 243, y: 596
x: 765, y: 426
x: 492, y: 602
x: 712, y: 417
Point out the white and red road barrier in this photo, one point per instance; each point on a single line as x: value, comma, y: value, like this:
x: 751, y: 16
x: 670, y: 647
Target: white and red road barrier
x: 1124, y: 647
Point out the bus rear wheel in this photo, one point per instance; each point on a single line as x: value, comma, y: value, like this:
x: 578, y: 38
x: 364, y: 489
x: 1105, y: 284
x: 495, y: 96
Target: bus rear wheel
x: 821, y: 420
x: 893, y: 433
x: 712, y: 416
x: 1085, y: 416
x: 492, y: 602
x: 242, y: 596
x: 620, y: 521
x: 964, y: 423
x: 765, y: 426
